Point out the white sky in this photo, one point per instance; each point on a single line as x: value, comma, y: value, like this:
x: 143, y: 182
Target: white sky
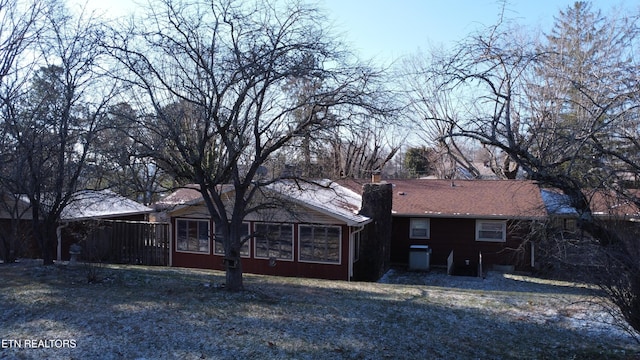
x: 387, y: 29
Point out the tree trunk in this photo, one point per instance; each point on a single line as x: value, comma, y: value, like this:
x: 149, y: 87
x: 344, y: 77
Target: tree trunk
x: 40, y: 230
x: 234, y: 275
x: 13, y: 241
x: 232, y: 261
x: 7, y: 251
x: 47, y: 253
x: 47, y: 241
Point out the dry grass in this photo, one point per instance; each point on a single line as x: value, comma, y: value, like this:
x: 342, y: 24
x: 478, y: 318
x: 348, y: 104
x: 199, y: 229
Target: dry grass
x: 168, y: 313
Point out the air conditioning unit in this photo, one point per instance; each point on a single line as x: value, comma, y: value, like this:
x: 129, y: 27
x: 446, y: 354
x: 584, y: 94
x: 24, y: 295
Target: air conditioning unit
x: 419, y: 257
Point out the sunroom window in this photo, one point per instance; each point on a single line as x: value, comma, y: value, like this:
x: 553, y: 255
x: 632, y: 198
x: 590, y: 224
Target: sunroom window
x: 192, y: 236
x: 274, y: 241
x: 320, y: 244
x: 244, y: 249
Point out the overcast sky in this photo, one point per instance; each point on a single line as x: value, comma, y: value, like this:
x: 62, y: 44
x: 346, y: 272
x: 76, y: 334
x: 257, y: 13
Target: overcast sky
x: 387, y: 29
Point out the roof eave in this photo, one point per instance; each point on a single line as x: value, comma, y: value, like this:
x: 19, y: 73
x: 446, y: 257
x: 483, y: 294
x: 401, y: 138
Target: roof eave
x: 347, y: 220
x: 107, y: 216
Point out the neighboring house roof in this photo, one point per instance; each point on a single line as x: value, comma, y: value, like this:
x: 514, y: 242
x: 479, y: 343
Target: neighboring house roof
x: 85, y: 204
x: 557, y: 203
x: 602, y: 203
x: 14, y: 207
x: 181, y: 196
x: 185, y: 196
x: 485, y: 171
x: 103, y: 204
x: 513, y: 199
x: 605, y: 203
x: 323, y: 196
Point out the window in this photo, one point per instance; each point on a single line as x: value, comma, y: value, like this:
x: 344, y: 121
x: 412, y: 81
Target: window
x: 419, y: 228
x: 274, y: 241
x: 320, y: 244
x: 244, y: 249
x: 192, y: 236
x: 570, y: 225
x: 491, y: 230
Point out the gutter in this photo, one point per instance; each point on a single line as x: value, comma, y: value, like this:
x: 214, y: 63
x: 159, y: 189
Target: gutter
x: 469, y: 216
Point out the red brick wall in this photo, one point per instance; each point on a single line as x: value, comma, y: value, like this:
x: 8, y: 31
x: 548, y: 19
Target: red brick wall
x: 456, y: 234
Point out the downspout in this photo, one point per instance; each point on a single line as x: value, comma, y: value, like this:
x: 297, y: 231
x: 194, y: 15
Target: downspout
x: 171, y: 239
x: 533, y: 255
x: 59, y: 236
x: 352, y: 240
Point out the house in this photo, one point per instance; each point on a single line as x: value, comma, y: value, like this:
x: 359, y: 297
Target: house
x: 465, y: 223
x: 607, y: 207
x: 103, y: 204
x: 86, y: 206
x: 604, y: 205
x: 15, y: 227
x: 575, y: 248
x: 83, y: 221
x: 310, y: 229
x: 339, y: 230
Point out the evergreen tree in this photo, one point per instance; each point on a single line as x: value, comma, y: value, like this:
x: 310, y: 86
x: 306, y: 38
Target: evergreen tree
x: 585, y: 63
x: 419, y: 161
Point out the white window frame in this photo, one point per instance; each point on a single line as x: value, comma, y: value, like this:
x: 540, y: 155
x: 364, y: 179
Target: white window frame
x: 417, y: 221
x: 315, y: 228
x: 258, y: 237
x: 503, y: 230
x: 246, y: 246
x: 191, y: 220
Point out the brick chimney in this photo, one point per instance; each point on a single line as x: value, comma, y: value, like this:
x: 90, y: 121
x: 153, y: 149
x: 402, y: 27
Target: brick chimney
x: 376, y: 177
x: 375, y: 252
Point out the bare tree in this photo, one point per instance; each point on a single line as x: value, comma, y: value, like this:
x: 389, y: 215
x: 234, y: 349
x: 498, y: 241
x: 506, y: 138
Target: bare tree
x: 351, y: 150
x: 361, y: 152
x: 120, y: 163
x: 492, y: 76
x: 57, y: 119
x: 213, y: 73
x: 448, y: 89
x: 569, y: 128
x: 20, y: 24
x: 363, y: 143
x: 425, y: 99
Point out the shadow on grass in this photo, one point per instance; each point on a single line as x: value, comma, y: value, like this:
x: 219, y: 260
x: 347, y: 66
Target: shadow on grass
x: 492, y: 281
x: 170, y: 313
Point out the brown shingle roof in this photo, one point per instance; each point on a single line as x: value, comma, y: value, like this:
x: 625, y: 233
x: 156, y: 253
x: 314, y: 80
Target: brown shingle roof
x: 466, y: 198
x: 610, y: 203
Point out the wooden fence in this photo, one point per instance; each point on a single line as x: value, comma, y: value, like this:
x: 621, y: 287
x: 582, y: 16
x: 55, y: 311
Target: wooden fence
x: 129, y: 242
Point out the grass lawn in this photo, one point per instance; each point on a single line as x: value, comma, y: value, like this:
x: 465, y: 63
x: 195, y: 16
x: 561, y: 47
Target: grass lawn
x: 137, y: 312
